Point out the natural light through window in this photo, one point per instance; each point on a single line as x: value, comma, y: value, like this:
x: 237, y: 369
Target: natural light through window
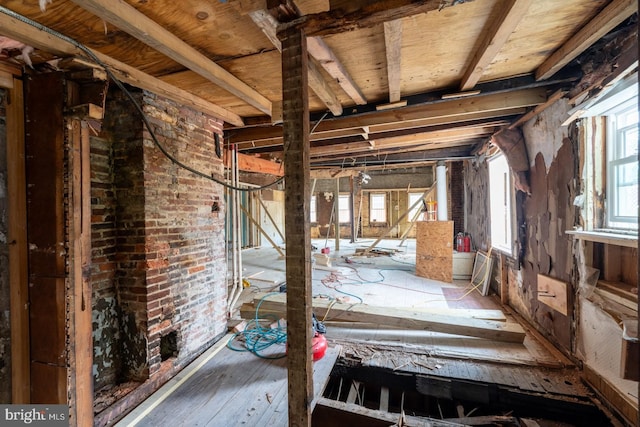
x: 414, y: 197
x: 500, y: 195
x: 344, y: 214
x: 312, y: 210
x: 622, y: 162
x: 377, y: 208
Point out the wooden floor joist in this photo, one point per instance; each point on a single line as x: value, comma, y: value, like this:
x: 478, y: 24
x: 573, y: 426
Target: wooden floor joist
x: 405, y: 318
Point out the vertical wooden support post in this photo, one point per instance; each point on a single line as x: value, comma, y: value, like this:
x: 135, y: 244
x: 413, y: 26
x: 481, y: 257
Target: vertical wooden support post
x: 336, y: 214
x: 504, y: 280
x: 80, y: 328
x: 297, y: 230
x: 352, y: 210
x: 16, y: 181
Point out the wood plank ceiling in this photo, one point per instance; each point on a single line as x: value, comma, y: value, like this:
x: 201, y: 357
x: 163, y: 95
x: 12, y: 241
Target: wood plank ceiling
x: 393, y: 82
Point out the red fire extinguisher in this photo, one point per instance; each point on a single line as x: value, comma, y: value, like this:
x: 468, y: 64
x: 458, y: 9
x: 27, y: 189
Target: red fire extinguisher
x: 460, y: 242
x: 467, y: 243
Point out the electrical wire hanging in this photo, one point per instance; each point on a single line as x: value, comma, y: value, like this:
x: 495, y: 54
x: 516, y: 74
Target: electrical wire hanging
x: 92, y: 56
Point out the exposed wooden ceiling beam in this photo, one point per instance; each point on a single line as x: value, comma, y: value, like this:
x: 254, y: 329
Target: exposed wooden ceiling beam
x: 495, y: 36
x: 400, y: 155
x: 455, y: 136
x: 393, y: 49
x: 612, y: 15
x: 268, y: 24
x: 449, y: 111
x: 367, y: 14
x: 127, y: 18
x: 321, y: 88
x: 46, y: 42
x: 332, y: 65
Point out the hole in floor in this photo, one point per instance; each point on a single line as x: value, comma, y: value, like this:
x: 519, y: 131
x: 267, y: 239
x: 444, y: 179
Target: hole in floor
x: 358, y: 396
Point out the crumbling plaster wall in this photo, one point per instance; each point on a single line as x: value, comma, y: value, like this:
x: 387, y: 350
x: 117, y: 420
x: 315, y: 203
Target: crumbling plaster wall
x: 5, y: 320
x: 549, y: 212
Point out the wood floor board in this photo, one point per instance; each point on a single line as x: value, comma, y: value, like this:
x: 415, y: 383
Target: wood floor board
x: 231, y: 389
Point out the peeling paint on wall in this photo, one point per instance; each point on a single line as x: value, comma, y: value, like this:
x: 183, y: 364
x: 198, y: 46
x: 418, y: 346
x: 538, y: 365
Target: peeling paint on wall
x: 545, y: 134
x: 549, y: 213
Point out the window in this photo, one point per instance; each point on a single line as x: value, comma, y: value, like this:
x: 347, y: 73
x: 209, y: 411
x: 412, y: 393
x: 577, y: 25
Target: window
x: 313, y: 210
x: 622, y: 165
x: 344, y: 212
x: 378, y: 208
x: 413, y: 198
x: 500, y: 194
x: 611, y: 130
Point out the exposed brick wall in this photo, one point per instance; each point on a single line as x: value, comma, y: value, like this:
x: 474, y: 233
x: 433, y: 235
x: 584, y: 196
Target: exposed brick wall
x: 107, y: 360
x: 185, y: 247
x: 5, y: 321
x: 123, y: 128
x: 158, y: 248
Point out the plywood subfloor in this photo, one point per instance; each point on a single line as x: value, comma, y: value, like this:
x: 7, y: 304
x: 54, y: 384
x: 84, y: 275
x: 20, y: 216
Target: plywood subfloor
x: 226, y: 388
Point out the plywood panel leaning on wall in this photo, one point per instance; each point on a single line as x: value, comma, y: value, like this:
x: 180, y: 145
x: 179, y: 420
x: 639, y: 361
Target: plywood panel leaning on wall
x: 434, y: 250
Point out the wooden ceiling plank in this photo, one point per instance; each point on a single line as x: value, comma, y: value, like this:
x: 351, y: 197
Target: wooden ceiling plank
x: 393, y: 49
x: 308, y: 7
x: 612, y: 15
x: 47, y: 42
x: 332, y: 65
x: 268, y: 24
x: 495, y: 36
x: 130, y: 20
x: 538, y: 109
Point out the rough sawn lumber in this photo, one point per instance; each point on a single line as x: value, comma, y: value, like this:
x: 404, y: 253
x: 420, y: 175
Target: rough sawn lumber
x: 404, y: 318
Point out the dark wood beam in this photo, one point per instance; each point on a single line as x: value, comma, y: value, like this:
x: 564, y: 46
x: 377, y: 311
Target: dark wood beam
x: 367, y: 14
x: 297, y: 200
x: 612, y: 15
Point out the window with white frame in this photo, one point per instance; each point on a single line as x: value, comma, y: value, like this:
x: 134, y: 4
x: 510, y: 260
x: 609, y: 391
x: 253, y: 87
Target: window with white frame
x: 313, y: 216
x: 344, y: 212
x: 413, y: 198
x: 612, y: 128
x: 500, y: 202
x: 622, y: 165
x: 378, y: 208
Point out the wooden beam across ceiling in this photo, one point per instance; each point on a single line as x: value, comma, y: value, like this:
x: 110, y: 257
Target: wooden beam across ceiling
x: 495, y: 36
x: 393, y: 49
x: 439, y: 138
x: 364, y: 14
x: 332, y: 65
x: 44, y: 41
x: 609, y: 18
x: 353, y: 136
x: 449, y: 111
x: 268, y: 24
x: 128, y: 19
